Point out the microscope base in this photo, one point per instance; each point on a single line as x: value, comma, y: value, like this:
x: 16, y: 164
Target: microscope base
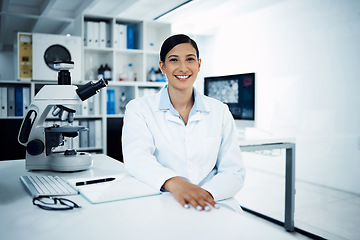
x: 59, y: 162
x: 62, y: 163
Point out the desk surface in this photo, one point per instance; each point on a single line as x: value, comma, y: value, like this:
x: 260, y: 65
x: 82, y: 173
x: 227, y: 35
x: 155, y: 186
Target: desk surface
x: 155, y: 217
x: 253, y: 136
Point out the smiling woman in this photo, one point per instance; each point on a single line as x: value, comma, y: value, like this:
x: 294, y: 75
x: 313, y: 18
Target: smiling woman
x: 180, y: 140
x: 179, y: 61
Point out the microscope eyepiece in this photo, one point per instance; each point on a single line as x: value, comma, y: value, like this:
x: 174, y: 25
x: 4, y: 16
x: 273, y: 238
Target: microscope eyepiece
x: 64, y: 77
x: 90, y: 89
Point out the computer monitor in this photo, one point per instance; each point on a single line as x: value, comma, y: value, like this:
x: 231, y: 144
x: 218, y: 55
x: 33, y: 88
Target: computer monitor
x: 238, y: 92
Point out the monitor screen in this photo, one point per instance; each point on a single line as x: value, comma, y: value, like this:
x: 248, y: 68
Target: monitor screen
x: 237, y: 91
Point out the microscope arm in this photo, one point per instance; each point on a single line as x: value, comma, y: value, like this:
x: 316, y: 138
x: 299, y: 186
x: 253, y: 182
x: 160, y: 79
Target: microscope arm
x: 27, y: 126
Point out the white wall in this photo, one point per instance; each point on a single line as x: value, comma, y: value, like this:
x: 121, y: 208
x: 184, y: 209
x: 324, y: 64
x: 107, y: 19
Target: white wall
x: 306, y: 57
x: 7, y: 69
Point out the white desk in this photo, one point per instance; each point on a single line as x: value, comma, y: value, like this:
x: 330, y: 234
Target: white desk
x: 258, y: 143
x: 155, y: 217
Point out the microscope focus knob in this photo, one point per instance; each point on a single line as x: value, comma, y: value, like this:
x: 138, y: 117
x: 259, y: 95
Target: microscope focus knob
x: 35, y: 147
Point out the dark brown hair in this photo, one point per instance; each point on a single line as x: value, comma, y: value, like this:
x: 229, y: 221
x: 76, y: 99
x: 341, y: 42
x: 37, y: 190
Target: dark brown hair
x: 174, y: 40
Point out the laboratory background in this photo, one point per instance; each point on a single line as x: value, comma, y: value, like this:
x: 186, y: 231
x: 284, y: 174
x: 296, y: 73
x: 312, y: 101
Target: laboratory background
x: 304, y: 54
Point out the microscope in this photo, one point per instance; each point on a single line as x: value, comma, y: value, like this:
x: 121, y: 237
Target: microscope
x: 40, y: 141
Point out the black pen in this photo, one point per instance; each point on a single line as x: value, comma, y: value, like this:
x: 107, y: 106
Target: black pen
x: 95, y: 181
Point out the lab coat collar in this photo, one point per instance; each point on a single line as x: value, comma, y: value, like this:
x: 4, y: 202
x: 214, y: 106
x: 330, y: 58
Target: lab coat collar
x: 165, y: 104
x: 173, y: 115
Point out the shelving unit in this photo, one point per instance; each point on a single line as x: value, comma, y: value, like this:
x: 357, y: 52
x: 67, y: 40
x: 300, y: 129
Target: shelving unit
x: 148, y: 37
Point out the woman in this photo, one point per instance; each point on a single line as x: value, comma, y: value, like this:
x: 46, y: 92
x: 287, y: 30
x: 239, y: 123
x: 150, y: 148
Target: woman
x: 180, y: 140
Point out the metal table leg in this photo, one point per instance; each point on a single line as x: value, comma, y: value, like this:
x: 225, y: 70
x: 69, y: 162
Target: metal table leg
x: 289, y: 224
x: 290, y: 188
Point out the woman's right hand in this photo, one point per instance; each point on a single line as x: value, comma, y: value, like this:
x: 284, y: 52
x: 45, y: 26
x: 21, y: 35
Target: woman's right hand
x: 188, y: 194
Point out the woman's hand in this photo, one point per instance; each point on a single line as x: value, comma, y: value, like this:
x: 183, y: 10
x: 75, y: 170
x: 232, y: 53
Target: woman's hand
x: 187, y: 193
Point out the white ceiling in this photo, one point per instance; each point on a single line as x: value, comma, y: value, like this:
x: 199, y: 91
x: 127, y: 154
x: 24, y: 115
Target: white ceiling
x: 58, y: 16
x: 202, y: 17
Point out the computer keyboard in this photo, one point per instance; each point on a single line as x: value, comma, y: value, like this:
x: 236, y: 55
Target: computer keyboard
x: 47, y: 186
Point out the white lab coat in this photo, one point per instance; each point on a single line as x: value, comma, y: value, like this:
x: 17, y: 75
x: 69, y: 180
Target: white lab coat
x: 157, y: 145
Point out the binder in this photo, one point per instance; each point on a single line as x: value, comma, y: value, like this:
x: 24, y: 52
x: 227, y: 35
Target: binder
x: 116, y: 36
x: 108, y: 35
x: 88, y: 32
x: 85, y: 108
x: 26, y: 99
x: 102, y: 34
x: 84, y: 135
x: 92, y: 130
x: 121, y: 34
x: 78, y: 109
x: 97, y: 100
x: 76, y: 142
x: 11, y: 101
x: 19, y: 108
x: 3, y: 102
x: 110, y: 104
x: 130, y: 37
x: 98, y: 134
x: 91, y: 103
x: 96, y: 27
x: 85, y: 33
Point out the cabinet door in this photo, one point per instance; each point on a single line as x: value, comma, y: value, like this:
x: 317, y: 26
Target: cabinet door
x: 114, y: 132
x: 9, y: 132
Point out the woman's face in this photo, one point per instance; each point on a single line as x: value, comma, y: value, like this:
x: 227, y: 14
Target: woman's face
x: 181, y: 66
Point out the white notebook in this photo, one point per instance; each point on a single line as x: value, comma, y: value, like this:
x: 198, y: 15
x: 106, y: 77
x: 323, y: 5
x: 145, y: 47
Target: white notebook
x: 123, y: 187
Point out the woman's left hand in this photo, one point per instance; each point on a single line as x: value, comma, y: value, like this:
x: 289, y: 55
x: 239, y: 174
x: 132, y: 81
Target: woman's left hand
x: 187, y: 193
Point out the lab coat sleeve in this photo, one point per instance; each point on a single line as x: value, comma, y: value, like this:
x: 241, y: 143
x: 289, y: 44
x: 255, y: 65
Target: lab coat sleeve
x: 138, y: 147
x: 230, y: 172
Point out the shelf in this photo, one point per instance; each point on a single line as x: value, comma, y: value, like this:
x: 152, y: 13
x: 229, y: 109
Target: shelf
x: 98, y: 49
x: 11, y: 117
x: 129, y: 51
x: 15, y: 81
x: 120, y: 115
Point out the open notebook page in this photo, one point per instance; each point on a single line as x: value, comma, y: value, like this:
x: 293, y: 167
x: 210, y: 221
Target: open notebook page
x: 123, y: 187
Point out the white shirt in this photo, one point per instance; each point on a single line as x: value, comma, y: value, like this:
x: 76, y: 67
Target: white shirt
x: 157, y: 145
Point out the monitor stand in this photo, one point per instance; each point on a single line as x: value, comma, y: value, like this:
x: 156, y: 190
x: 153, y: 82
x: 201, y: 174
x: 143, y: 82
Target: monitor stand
x: 242, y: 126
x: 241, y: 132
